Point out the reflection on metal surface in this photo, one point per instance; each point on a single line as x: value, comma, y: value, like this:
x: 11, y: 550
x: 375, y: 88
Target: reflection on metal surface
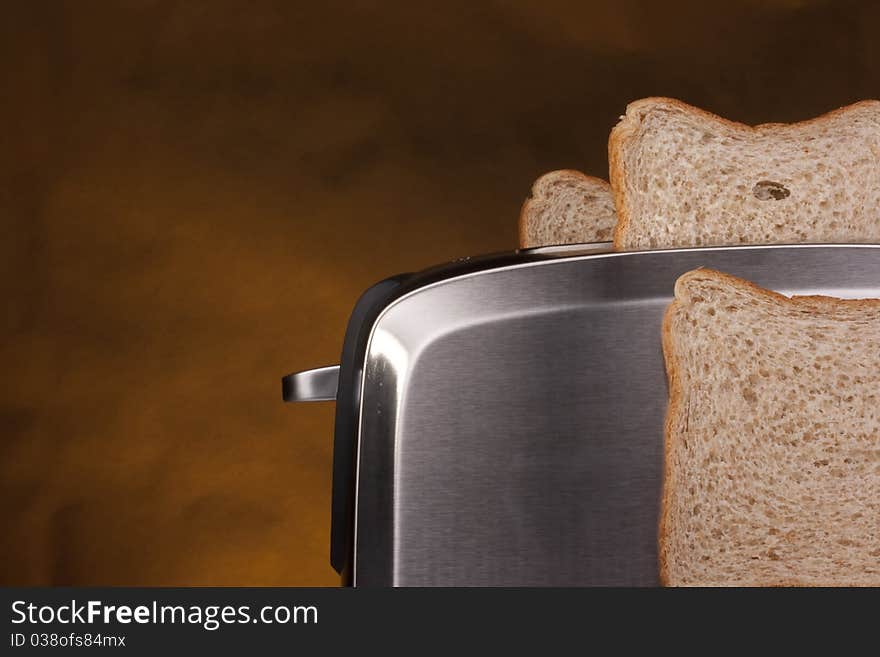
x: 319, y: 384
x: 386, y: 345
x: 568, y: 250
x: 511, y: 427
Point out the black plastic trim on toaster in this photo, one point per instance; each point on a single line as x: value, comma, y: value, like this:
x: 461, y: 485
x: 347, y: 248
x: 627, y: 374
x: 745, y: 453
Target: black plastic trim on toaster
x: 354, y: 345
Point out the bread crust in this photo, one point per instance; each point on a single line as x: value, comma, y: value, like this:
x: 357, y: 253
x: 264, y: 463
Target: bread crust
x: 526, y: 216
x: 623, y: 133
x: 814, y: 303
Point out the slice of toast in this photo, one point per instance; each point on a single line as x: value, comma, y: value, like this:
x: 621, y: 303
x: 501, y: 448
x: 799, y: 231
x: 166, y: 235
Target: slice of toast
x: 683, y: 177
x: 772, y: 461
x: 567, y: 207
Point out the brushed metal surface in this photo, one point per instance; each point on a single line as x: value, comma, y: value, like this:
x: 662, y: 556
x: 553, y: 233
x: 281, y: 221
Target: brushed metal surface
x: 511, y: 426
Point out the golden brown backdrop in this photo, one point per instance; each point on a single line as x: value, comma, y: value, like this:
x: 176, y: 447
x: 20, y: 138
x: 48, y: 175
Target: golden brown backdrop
x: 193, y: 194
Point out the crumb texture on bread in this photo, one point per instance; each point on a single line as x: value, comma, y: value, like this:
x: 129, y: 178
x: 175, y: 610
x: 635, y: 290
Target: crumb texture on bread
x: 683, y: 177
x: 567, y: 207
x: 772, y: 472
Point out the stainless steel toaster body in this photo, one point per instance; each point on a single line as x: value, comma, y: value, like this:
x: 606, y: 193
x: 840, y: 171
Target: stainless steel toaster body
x: 505, y: 417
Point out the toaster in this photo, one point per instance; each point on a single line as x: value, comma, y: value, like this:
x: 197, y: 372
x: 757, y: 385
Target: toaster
x: 499, y: 419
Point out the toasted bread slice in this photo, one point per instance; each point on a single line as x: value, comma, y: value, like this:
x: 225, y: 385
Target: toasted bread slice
x: 683, y: 177
x: 567, y: 207
x: 772, y: 437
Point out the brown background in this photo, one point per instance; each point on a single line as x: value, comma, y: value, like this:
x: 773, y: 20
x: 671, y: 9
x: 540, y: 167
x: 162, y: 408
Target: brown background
x: 193, y: 195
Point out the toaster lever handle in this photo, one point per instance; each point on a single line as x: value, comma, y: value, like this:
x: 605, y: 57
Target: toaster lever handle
x: 311, y: 385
